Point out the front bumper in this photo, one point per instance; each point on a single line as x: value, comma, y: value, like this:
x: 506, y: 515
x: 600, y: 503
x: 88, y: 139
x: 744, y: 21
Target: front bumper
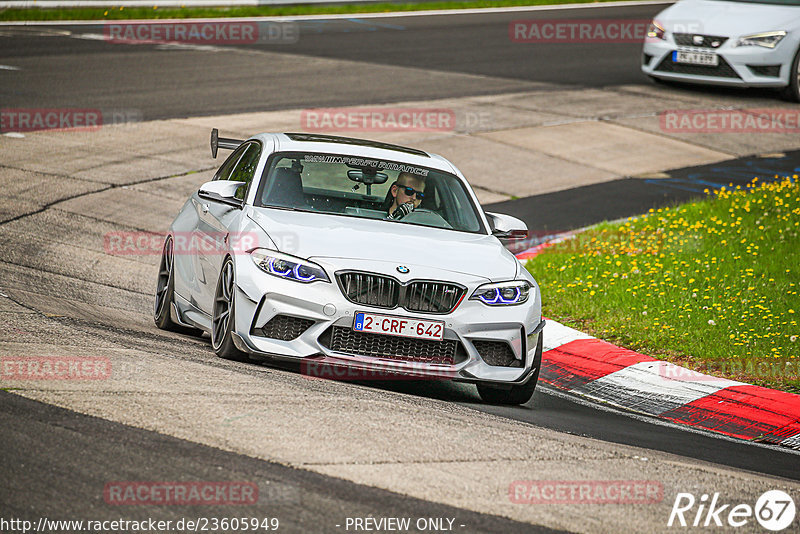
x: 321, y: 307
x: 742, y: 66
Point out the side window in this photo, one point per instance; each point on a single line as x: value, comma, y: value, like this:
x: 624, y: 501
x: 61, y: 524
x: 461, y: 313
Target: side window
x: 246, y: 168
x: 224, y: 172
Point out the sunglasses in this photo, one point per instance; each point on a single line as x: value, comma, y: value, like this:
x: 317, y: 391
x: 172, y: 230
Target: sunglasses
x: 410, y: 191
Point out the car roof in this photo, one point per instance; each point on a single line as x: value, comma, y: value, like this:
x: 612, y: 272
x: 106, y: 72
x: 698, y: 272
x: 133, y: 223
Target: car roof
x: 313, y: 142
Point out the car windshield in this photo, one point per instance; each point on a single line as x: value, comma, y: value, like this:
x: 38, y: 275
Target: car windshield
x: 776, y: 2
x: 360, y: 187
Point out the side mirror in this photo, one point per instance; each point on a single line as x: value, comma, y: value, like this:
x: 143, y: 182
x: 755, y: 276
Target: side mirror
x: 507, y: 227
x: 222, y: 191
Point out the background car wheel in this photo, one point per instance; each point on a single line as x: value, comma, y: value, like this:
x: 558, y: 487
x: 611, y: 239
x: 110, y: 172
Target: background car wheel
x: 165, y: 290
x: 792, y: 91
x: 516, y: 394
x: 222, y: 316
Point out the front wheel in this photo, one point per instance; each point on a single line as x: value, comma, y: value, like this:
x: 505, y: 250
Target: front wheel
x: 165, y: 292
x: 792, y: 91
x: 222, y: 320
x: 515, y: 394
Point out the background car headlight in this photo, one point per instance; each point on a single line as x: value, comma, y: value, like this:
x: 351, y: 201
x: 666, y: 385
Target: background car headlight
x: 503, y: 293
x: 656, y: 31
x: 767, y: 39
x: 285, y: 266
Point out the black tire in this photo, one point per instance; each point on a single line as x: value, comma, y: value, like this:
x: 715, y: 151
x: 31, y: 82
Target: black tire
x: 222, y: 318
x: 165, y: 291
x: 792, y: 91
x: 516, y: 394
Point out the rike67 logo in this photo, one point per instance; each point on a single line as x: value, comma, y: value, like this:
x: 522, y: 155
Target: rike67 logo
x: 774, y: 510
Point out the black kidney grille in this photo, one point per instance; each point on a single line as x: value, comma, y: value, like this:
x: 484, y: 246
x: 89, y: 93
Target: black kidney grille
x: 386, y: 292
x: 393, y: 347
x: 370, y: 289
x: 432, y: 297
x: 284, y: 327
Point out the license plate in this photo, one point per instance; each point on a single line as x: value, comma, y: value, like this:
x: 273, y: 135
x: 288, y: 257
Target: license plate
x: 695, y: 58
x: 375, y: 323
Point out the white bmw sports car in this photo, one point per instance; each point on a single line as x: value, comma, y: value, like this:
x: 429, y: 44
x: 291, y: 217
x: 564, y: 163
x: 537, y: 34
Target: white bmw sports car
x: 746, y: 43
x: 352, y: 254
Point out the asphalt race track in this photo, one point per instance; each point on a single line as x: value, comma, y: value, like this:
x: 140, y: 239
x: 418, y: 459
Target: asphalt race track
x: 321, y: 451
x: 386, y: 60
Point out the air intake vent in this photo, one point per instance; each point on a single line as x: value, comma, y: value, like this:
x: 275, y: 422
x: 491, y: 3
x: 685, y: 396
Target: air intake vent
x: 773, y: 71
x: 284, y: 327
x: 723, y: 70
x: 349, y: 341
x: 496, y: 353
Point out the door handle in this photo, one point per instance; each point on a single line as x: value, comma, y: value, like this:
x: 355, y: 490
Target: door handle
x: 204, y: 207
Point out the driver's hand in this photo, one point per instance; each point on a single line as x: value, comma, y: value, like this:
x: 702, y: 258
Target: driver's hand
x: 402, y: 210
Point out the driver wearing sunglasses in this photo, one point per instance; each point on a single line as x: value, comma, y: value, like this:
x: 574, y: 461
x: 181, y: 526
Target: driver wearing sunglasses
x: 407, y: 192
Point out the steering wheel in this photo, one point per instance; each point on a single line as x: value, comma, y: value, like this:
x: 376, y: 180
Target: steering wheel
x: 427, y: 217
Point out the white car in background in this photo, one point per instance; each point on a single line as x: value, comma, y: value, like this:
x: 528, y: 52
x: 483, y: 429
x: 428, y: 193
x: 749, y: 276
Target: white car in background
x: 747, y: 43
x: 289, y: 254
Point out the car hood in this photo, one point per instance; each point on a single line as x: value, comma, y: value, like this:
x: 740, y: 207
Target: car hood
x: 314, y: 235
x: 726, y: 18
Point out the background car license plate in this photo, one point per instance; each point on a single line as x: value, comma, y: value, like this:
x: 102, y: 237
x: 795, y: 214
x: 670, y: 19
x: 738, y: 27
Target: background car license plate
x: 695, y: 58
x: 398, y: 326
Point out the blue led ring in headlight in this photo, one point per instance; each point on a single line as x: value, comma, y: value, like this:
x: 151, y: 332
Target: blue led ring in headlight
x: 282, y: 269
x: 289, y: 267
x: 503, y: 294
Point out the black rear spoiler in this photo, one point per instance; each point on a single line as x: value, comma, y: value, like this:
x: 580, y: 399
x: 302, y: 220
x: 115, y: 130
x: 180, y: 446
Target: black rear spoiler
x: 218, y: 142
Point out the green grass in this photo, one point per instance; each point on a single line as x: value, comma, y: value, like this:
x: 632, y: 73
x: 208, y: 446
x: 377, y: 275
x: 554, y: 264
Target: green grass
x: 119, y: 13
x: 711, y: 285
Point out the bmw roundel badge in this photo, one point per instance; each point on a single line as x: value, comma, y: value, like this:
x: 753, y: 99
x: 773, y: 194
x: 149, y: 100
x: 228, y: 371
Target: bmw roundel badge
x: 403, y: 269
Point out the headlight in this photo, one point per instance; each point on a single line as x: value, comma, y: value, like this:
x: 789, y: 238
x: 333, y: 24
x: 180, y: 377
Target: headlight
x: 503, y: 293
x: 285, y: 266
x: 656, y: 31
x: 766, y: 39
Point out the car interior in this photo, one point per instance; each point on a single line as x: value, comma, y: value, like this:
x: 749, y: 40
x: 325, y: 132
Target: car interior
x: 360, y: 194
